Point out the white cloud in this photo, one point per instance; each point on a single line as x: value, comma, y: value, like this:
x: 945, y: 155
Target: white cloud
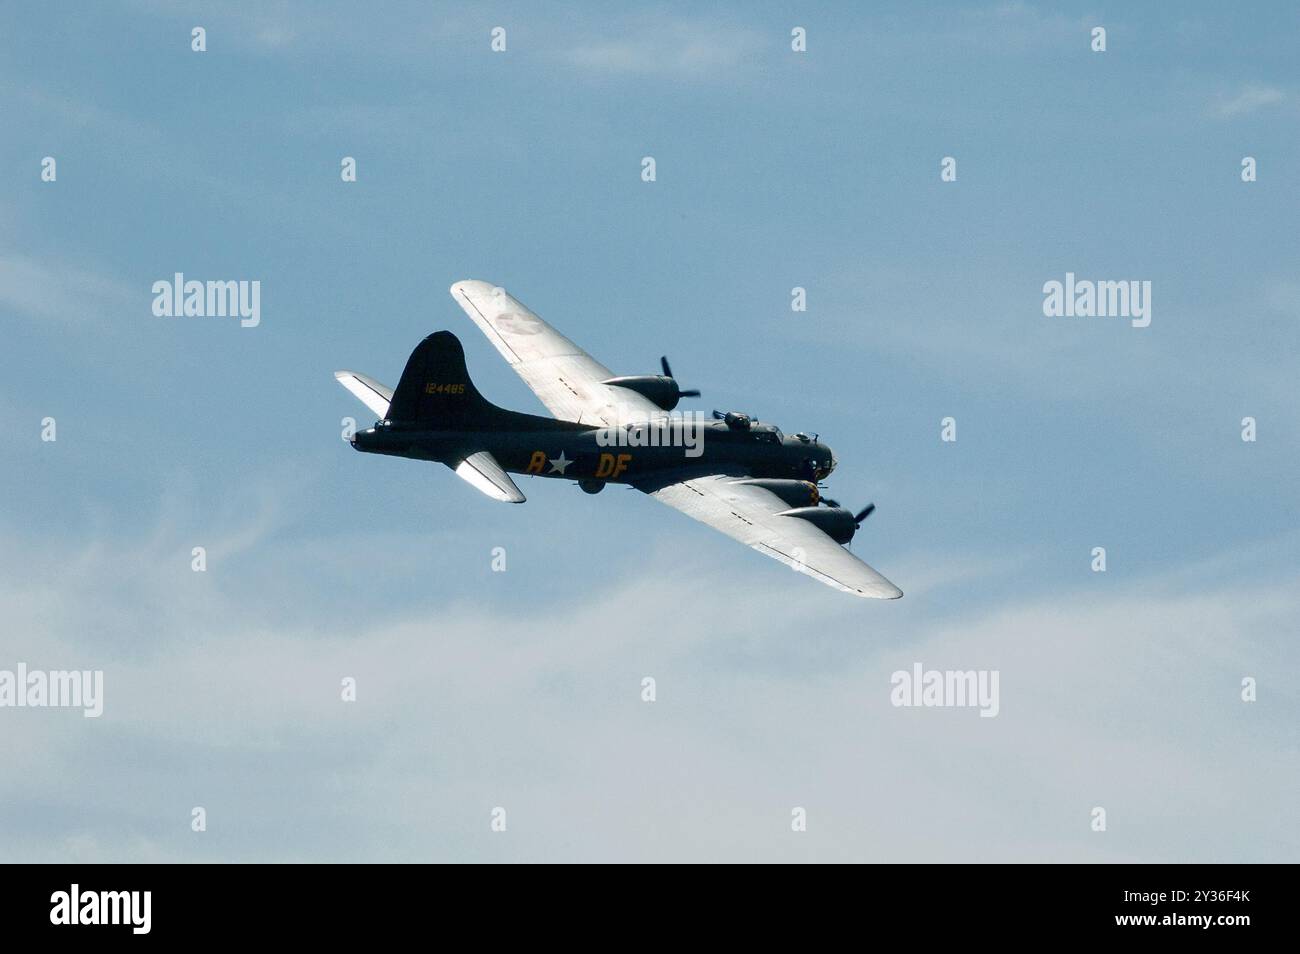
x: 680, y: 48
x: 1124, y: 697
x: 1247, y: 100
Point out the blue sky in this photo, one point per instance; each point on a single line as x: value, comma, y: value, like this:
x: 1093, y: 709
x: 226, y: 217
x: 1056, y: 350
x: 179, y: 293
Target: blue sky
x: 775, y: 170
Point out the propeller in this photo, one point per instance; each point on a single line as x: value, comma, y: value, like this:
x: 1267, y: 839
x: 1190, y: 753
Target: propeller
x: 861, y: 515
x: 668, y: 373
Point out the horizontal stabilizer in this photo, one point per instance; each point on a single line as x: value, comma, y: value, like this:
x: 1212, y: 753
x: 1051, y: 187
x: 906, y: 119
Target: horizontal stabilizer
x: 366, y: 389
x: 482, y: 472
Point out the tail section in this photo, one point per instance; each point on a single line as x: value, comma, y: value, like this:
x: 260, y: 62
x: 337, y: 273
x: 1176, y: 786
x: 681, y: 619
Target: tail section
x: 435, y: 389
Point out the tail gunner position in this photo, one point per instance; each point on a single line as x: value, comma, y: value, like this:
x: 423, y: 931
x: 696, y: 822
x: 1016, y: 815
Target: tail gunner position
x: 734, y: 473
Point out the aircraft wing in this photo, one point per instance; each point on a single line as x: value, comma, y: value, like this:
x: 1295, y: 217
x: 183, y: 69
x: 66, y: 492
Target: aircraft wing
x: 752, y: 515
x: 562, y: 375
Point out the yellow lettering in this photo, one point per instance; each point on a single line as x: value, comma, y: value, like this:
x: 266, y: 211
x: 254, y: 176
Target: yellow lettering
x: 623, y: 461
x: 535, y: 462
x: 606, y: 466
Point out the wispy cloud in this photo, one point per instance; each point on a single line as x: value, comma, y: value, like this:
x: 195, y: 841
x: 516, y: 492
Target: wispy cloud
x: 763, y: 704
x: 59, y: 292
x: 1247, y: 100
x: 671, y: 47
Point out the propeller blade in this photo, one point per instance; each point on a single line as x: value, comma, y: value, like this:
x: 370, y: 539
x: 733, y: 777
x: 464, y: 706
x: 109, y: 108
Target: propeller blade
x: 866, y: 512
x: 693, y: 392
x: 668, y: 372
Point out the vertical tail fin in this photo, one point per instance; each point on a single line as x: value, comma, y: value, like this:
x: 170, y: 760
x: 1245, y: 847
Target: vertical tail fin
x: 435, y: 388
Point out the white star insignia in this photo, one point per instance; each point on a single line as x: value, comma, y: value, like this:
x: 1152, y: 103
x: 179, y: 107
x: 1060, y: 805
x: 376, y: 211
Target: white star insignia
x: 559, y: 463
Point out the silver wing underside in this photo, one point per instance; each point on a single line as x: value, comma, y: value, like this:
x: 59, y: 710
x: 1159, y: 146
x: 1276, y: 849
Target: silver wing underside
x: 752, y: 515
x: 563, y: 376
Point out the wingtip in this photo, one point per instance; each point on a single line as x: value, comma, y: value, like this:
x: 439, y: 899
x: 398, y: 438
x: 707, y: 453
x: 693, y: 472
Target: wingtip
x: 469, y: 284
x: 880, y: 593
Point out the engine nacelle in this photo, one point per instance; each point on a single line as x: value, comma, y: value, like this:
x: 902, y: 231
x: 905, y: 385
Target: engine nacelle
x: 661, y: 390
x: 794, y: 493
x: 836, y: 522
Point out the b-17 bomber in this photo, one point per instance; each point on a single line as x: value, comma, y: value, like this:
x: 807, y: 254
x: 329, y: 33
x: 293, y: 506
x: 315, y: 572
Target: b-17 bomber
x: 730, y: 471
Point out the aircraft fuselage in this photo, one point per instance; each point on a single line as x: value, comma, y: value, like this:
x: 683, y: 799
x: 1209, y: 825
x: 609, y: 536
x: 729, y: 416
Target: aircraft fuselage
x: 548, y: 448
